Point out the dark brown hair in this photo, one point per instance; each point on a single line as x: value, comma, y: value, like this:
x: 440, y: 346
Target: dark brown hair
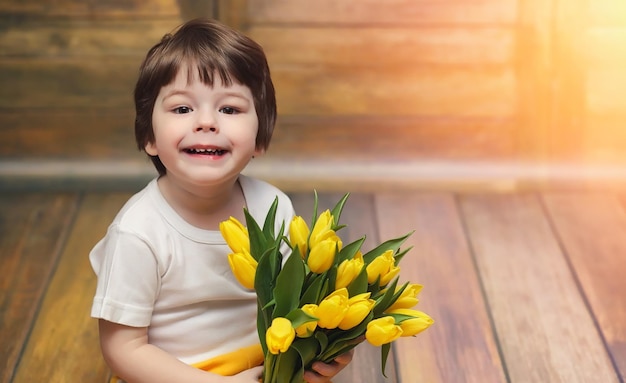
x: 212, y: 49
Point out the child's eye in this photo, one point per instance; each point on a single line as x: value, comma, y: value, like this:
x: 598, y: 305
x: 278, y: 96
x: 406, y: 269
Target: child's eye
x: 182, y: 110
x: 229, y: 110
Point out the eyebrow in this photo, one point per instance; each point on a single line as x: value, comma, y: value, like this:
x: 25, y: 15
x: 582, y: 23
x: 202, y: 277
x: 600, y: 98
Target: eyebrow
x: 175, y: 92
x: 184, y: 92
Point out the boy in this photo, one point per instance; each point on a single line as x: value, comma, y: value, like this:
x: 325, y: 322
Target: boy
x: 169, y: 308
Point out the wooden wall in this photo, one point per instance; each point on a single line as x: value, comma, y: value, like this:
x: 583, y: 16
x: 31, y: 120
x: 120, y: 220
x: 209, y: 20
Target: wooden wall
x: 362, y: 81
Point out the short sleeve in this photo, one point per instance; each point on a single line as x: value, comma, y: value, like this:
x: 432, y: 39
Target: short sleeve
x: 128, y: 279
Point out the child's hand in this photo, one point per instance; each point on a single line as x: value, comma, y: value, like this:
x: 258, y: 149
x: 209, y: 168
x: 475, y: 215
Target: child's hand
x: 322, y: 372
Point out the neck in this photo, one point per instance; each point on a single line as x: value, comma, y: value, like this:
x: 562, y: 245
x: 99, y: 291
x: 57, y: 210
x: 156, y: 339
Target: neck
x: 204, y: 207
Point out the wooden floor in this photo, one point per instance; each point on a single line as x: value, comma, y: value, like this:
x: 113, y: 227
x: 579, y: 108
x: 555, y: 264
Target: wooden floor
x: 524, y: 287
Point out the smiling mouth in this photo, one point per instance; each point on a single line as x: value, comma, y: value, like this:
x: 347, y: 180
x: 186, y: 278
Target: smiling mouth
x: 208, y: 152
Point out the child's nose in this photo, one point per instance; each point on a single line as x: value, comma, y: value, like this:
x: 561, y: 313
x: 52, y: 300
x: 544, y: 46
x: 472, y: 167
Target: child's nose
x: 207, y: 123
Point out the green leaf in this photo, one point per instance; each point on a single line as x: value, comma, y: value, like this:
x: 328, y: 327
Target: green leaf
x: 398, y: 257
x: 331, y: 277
x: 258, y: 242
x: 392, y: 244
x: 384, y: 353
x: 312, y: 292
x: 340, y: 341
x: 344, y: 336
x: 387, y: 299
x: 262, y: 324
x: 308, y: 349
x: 336, y: 211
x: 270, y: 220
x: 399, y: 318
x: 350, y: 250
x: 287, y: 365
x: 263, y: 280
x: 315, y: 207
x: 359, y: 284
x: 298, y: 317
x: 288, y: 286
x: 322, y: 339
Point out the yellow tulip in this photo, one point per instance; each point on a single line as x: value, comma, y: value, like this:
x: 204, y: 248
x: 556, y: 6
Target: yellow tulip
x: 236, y: 235
x: 359, y: 307
x: 383, y: 266
x: 299, y: 234
x: 408, y: 298
x: 305, y: 330
x: 244, y: 268
x: 420, y: 321
x: 322, y: 256
x: 382, y: 331
x: 322, y: 229
x: 332, y: 309
x: 279, y: 335
x: 348, y: 270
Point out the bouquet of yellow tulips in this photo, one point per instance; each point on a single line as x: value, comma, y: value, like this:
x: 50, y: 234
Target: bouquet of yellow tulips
x: 321, y: 300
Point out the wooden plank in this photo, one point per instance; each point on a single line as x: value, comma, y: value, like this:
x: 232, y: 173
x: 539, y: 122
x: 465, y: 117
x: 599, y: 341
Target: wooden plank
x: 64, y: 342
x: 569, y: 80
x: 66, y: 134
x: 591, y: 229
x: 605, y: 140
x: 79, y: 38
x: 534, y: 72
x: 68, y: 83
x: 34, y: 228
x: 395, y: 12
x: 358, y: 214
x: 81, y: 9
x: 405, y: 138
x: 423, y: 90
x: 545, y: 331
x: 603, y: 94
x: 460, y: 346
x: 370, y: 46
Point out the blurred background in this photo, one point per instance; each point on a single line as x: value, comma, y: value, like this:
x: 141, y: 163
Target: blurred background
x: 487, y: 94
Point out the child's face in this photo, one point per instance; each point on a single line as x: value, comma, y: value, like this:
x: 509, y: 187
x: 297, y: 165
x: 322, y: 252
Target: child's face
x: 204, y: 135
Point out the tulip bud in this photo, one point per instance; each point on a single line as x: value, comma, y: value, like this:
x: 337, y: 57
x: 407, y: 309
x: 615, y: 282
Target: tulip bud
x: 279, y: 335
x: 305, y: 330
x: 243, y: 267
x: 322, y: 229
x: 359, y: 307
x: 408, y: 298
x: 299, y: 234
x: 348, y: 270
x: 332, y: 309
x: 382, y: 331
x: 383, y: 266
x: 420, y: 321
x: 236, y: 235
x: 322, y: 256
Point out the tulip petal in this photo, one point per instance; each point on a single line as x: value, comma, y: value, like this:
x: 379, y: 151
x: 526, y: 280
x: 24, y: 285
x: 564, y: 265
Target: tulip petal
x: 279, y: 335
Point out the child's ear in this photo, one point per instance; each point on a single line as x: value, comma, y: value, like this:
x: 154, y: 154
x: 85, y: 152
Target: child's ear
x: 151, y: 149
x: 258, y: 152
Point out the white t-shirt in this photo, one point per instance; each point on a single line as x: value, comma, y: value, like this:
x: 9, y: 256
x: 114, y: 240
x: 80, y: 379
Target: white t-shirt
x: 156, y: 270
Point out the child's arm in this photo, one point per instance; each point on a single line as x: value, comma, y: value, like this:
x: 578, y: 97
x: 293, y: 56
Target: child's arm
x: 128, y: 353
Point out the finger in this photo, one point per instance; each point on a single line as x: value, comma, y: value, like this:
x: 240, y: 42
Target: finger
x: 344, y: 358
x: 314, y: 377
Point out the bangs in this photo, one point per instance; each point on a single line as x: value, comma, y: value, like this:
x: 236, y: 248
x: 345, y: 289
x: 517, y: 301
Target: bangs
x: 203, y: 68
